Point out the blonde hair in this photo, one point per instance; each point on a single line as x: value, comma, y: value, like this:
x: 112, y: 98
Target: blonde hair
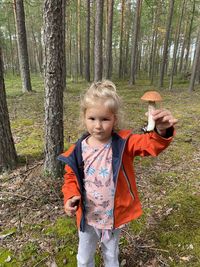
x: 104, y: 92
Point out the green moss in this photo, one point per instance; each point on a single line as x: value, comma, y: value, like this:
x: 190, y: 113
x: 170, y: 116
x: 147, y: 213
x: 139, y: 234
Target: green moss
x: 179, y: 232
x: 31, y: 145
x: 68, y: 255
x: 138, y: 226
x: 63, y: 228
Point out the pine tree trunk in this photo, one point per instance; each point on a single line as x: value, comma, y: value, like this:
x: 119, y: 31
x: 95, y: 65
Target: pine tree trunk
x: 176, y: 47
x: 195, y: 64
x: 8, y: 156
x: 127, y: 35
x: 98, y: 58
x: 165, y: 49
x: 87, y: 43
x: 121, y: 39
x: 22, y: 45
x: 55, y: 76
x: 189, y: 39
x: 135, y: 42
x: 108, y: 60
x: 79, y: 39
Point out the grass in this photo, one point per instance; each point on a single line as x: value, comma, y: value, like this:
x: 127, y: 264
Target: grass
x: 168, y: 184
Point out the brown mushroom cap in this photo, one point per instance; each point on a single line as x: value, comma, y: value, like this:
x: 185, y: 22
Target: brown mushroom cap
x: 152, y: 96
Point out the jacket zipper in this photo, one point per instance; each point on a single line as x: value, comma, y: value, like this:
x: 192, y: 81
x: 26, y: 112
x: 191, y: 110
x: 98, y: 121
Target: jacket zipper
x: 117, y: 179
x: 128, y: 183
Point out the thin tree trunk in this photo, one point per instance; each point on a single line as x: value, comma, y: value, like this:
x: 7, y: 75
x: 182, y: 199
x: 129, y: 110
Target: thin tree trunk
x: 165, y: 50
x: 22, y: 45
x: 121, y: 39
x: 8, y: 155
x: 108, y: 62
x: 176, y: 46
x: 39, y: 62
x: 127, y: 29
x: 54, y: 79
x: 98, y: 59
x: 87, y: 42
x: 79, y: 39
x: 195, y: 64
x: 182, y: 50
x: 11, y: 46
x: 189, y: 38
x: 135, y: 42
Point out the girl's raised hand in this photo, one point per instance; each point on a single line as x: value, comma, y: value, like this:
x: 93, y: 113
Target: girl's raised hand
x: 163, y: 119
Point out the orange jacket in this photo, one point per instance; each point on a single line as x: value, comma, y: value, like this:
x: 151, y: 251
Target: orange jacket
x: 125, y: 146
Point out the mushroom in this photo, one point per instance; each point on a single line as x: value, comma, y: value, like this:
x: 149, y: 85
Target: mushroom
x: 152, y: 97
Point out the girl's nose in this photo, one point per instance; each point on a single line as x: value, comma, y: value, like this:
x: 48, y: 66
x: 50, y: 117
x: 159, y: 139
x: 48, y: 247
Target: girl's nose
x: 98, y: 124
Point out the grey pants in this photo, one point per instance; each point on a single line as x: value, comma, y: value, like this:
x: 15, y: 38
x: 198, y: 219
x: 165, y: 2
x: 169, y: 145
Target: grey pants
x: 88, y: 243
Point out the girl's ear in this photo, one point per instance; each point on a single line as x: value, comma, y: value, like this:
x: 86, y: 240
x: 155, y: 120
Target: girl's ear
x: 115, y: 122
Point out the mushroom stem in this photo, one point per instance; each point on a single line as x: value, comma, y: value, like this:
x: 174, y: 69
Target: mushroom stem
x: 151, y: 122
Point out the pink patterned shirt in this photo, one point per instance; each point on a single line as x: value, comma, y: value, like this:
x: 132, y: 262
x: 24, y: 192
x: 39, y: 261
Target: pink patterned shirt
x: 99, y: 185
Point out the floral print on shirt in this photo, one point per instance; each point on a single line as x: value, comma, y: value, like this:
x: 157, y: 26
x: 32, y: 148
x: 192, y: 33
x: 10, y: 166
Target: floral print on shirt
x: 99, y: 185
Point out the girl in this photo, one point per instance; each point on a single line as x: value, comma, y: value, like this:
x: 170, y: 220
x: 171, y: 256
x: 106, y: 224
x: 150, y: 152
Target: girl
x: 99, y: 181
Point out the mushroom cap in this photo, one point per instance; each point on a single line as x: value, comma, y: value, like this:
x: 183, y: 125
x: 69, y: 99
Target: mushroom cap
x: 152, y: 96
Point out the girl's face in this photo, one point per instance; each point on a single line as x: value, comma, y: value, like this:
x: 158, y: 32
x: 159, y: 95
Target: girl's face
x: 99, y: 122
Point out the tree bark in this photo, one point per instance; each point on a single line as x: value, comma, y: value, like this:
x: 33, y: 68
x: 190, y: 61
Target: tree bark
x: 165, y: 49
x: 189, y: 39
x: 176, y: 47
x: 195, y: 64
x: 108, y: 60
x: 121, y: 39
x: 22, y: 45
x: 87, y: 42
x: 54, y: 79
x: 135, y: 41
x: 98, y: 58
x: 79, y: 39
x: 8, y: 155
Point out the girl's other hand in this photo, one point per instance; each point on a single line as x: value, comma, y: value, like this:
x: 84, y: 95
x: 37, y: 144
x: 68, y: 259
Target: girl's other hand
x: 71, y: 205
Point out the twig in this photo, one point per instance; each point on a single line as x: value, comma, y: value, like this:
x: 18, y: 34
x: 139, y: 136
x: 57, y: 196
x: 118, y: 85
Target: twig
x: 152, y: 248
x: 15, y: 195
x: 20, y: 223
x: 37, y: 264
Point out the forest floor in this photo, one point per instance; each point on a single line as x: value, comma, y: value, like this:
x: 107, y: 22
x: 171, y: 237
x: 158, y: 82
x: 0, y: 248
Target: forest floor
x: 34, y: 231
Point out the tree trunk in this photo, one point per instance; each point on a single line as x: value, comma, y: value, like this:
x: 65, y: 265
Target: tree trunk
x: 54, y: 78
x: 121, y: 39
x: 8, y: 156
x: 156, y: 18
x: 195, y: 64
x: 87, y: 42
x: 165, y: 50
x: 189, y: 37
x: 22, y: 45
x: 176, y: 46
x: 127, y: 35
x: 11, y: 46
x: 37, y: 52
x: 135, y: 41
x: 108, y: 61
x: 79, y: 39
x: 98, y: 59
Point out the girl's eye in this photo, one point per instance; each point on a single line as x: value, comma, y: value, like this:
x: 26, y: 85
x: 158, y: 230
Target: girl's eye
x: 105, y: 119
x: 91, y: 118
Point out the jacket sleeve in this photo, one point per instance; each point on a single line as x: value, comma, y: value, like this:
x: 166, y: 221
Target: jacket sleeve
x: 70, y: 187
x: 149, y: 143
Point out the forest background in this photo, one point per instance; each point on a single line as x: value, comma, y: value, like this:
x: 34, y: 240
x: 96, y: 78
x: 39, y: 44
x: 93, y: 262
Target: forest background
x: 50, y: 52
